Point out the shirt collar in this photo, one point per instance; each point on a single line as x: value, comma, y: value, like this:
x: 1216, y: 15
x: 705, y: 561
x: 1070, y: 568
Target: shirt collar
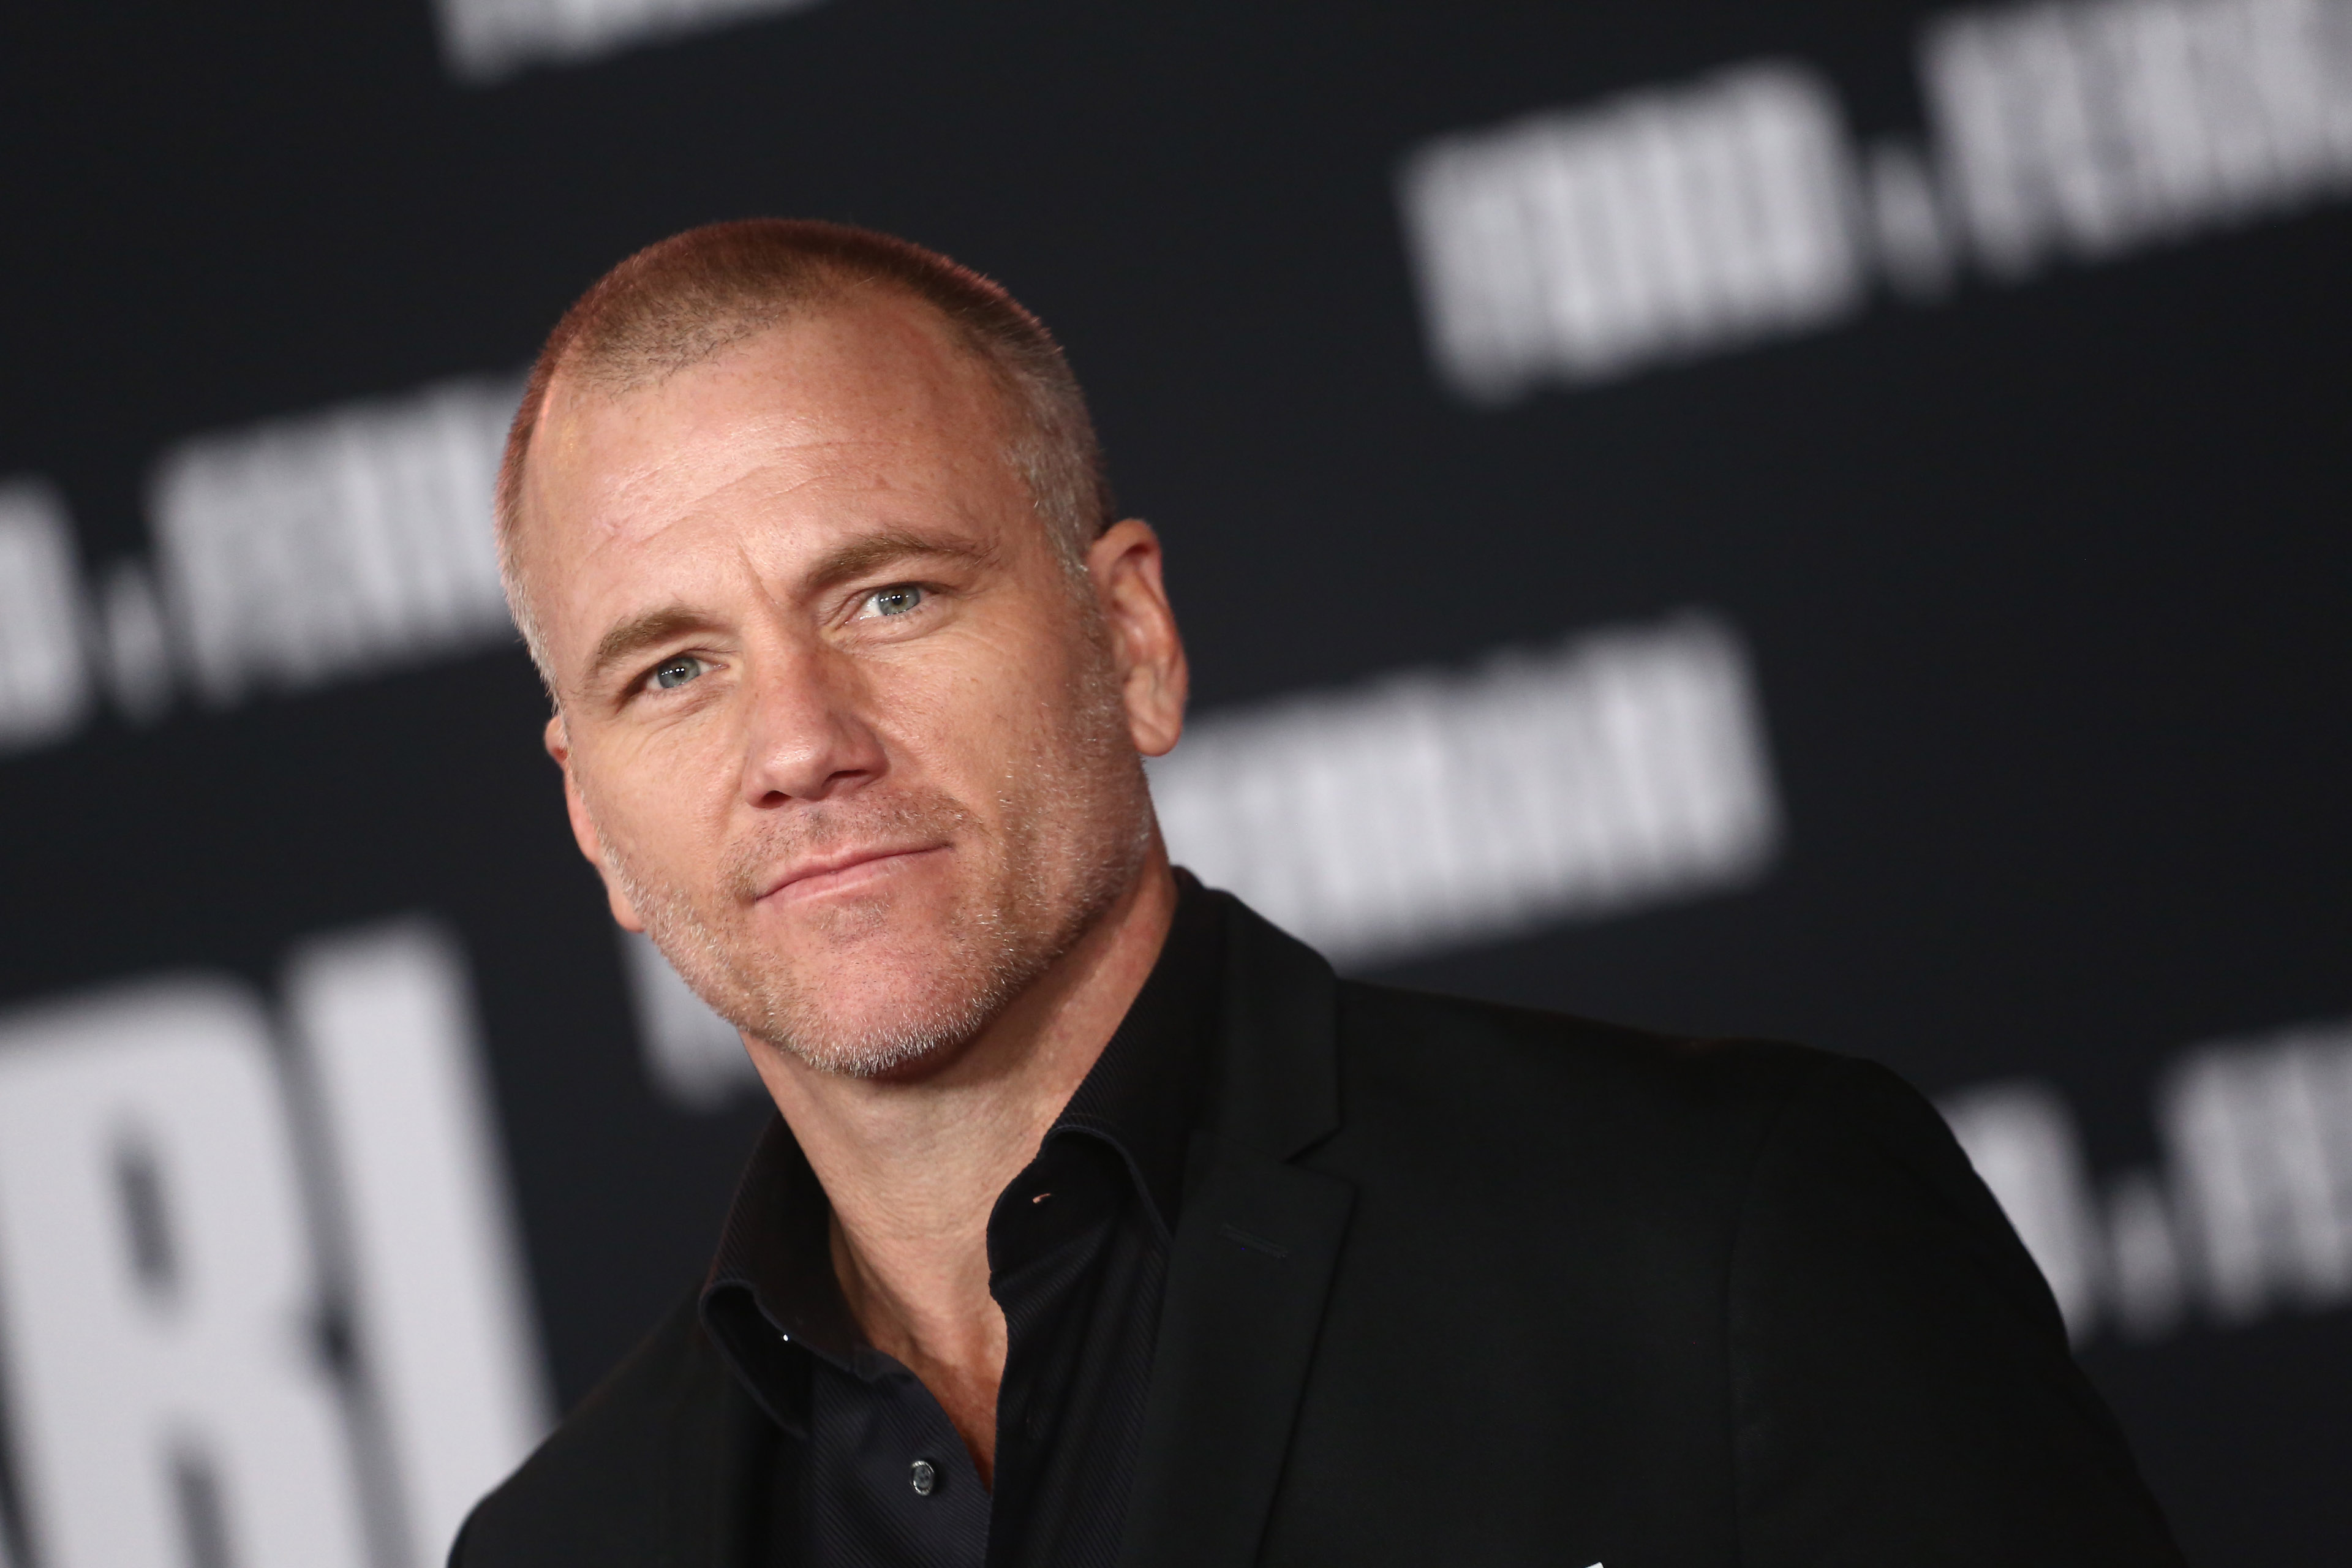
x: 1149, y: 1089
x: 772, y: 1279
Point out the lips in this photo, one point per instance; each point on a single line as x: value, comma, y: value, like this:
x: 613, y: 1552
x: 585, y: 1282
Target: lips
x: 846, y: 869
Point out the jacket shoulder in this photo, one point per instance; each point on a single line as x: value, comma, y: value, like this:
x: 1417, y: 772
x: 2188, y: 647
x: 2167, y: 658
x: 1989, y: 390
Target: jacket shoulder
x: 618, y: 1481
x: 1560, y: 1124
x: 1494, y: 1053
x: 1903, y: 1380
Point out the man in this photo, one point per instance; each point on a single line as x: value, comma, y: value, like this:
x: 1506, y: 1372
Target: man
x: 1099, y: 1223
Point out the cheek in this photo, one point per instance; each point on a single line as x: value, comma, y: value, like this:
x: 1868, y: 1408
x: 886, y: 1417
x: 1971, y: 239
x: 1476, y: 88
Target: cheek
x: 979, y: 705
x: 664, y: 795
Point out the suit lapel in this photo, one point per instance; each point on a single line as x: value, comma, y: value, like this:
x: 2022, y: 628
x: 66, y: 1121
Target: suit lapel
x: 720, y: 1450
x: 1253, y: 1263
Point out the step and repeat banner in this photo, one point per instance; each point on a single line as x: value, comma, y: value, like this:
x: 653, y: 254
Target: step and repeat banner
x: 1826, y: 520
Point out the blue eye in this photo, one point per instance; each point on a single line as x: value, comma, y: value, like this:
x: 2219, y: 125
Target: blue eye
x: 896, y: 600
x: 672, y: 673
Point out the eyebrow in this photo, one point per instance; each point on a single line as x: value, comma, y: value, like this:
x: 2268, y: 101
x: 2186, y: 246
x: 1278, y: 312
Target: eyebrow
x: 860, y: 556
x: 633, y: 636
x: 629, y: 638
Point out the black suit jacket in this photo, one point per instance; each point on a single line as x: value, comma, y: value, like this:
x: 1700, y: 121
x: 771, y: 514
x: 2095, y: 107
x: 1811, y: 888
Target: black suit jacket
x: 1462, y: 1284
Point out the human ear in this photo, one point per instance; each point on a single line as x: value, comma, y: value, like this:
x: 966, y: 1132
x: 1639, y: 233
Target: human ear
x: 1125, y: 564
x: 584, y: 827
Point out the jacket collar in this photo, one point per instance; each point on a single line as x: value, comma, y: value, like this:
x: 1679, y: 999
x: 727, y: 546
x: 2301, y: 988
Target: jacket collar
x: 1278, y: 1087
x: 1251, y: 1269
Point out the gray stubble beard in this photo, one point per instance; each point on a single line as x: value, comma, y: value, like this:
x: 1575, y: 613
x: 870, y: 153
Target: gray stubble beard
x: 1077, y: 828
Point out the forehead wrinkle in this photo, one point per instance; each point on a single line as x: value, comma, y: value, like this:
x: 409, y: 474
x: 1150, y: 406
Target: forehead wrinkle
x: 669, y: 483
x: 923, y: 399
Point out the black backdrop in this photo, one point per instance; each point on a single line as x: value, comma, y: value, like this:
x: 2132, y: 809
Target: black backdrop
x: 2045, y: 584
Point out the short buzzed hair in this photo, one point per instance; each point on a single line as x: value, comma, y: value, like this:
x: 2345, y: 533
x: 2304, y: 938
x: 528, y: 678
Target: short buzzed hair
x: 678, y: 302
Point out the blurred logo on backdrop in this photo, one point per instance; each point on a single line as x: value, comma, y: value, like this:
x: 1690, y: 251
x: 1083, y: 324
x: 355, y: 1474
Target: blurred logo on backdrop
x: 2248, y: 1214
x: 261, y: 1299
x: 485, y: 41
x: 289, y: 555
x: 1674, y: 222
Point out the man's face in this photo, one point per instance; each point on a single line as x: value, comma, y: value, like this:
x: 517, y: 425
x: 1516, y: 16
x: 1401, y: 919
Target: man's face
x: 843, y: 734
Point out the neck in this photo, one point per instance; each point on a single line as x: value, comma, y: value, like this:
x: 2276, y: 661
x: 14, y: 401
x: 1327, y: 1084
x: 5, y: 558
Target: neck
x: 913, y: 1166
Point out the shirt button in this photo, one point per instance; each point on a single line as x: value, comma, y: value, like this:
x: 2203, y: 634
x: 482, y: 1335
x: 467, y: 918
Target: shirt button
x: 923, y: 1478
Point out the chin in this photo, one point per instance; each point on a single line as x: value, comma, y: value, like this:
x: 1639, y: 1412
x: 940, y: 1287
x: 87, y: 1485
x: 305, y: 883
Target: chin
x: 873, y: 987
x: 877, y: 1025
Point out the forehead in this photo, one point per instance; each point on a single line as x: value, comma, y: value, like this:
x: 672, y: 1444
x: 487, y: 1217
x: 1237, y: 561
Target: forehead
x: 870, y: 396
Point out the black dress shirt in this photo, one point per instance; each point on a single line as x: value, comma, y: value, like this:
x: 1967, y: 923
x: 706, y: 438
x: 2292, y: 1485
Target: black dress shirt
x: 870, y: 1471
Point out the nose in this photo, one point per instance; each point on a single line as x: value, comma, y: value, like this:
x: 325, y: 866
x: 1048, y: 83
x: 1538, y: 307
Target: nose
x: 807, y: 739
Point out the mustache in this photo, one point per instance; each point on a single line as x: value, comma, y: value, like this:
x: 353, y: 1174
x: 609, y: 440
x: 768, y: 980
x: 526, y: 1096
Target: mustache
x: 809, y: 831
